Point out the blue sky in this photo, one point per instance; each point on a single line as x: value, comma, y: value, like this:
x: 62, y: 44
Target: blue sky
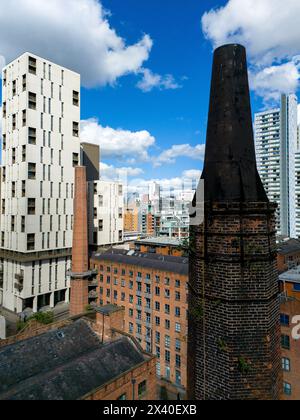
x: 146, y: 68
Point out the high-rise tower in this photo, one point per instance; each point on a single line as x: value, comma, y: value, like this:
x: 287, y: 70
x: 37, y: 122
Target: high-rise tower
x: 234, y: 331
x: 40, y: 123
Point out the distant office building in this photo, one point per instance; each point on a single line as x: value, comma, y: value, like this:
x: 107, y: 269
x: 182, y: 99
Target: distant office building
x: 276, y: 138
x: 106, y: 213
x: 41, y: 147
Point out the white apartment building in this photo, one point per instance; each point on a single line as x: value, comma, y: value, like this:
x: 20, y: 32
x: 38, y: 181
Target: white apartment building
x: 41, y: 146
x: 276, y: 146
x: 106, y: 213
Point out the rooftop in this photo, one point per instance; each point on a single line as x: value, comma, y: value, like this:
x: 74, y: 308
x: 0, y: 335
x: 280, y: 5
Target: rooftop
x: 163, y: 241
x: 65, y: 364
x: 171, y: 264
x: 289, y: 246
x: 292, y: 276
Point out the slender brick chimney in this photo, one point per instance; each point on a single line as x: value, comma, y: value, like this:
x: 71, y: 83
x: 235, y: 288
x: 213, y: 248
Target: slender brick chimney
x: 234, y: 331
x: 80, y: 274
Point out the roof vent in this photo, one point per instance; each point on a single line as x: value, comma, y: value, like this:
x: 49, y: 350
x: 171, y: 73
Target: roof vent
x: 60, y: 335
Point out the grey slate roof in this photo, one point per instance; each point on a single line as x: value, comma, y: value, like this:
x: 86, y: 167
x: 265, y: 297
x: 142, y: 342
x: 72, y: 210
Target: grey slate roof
x: 64, y: 364
x: 290, y: 246
x: 172, y: 264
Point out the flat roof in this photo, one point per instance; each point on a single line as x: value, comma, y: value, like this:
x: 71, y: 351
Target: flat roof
x: 292, y: 276
x: 161, y: 240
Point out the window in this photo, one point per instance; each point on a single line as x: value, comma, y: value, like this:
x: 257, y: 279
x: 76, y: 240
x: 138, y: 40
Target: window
x: 167, y: 294
x: 297, y: 287
x: 177, y: 283
x: 286, y: 364
x: 122, y: 398
x: 178, y: 377
x: 177, y: 345
x: 177, y: 296
x: 4, y: 110
x: 31, y: 135
x: 75, y: 98
x: 14, y: 121
x: 157, y: 337
x: 157, y: 321
x: 30, y: 242
x: 178, y: 327
x: 167, y: 341
x: 157, y: 306
x: 75, y: 159
x: 24, y: 118
x: 23, y: 224
x: 75, y: 129
x: 167, y: 324
x: 142, y: 388
x: 167, y: 356
x: 31, y: 206
x: 285, y: 342
x: 177, y: 312
x: 31, y: 170
x: 32, y: 100
x: 32, y: 65
x: 14, y: 88
x: 157, y: 291
x: 23, y: 188
x: 178, y: 361
x: 13, y: 189
x: 13, y: 219
x: 13, y: 156
x: 167, y: 309
x: 284, y: 320
x: 131, y: 328
x: 4, y: 141
x: 287, y: 389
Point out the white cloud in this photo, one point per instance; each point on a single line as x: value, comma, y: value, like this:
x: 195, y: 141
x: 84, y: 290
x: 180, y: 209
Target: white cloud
x: 111, y: 173
x: 117, y: 143
x: 76, y: 34
x: 271, y: 32
x: 151, y: 81
x: 270, y: 82
x: 180, y: 150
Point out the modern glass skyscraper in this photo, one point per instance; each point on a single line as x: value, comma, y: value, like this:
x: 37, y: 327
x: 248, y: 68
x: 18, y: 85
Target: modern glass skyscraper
x: 276, y: 147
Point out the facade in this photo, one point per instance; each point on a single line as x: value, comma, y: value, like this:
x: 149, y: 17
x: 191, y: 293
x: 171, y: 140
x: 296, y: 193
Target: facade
x: 288, y: 256
x: 95, y: 360
x: 234, y: 330
x: 106, y: 213
x: 290, y: 308
x: 153, y: 291
x: 41, y: 119
x: 160, y: 245
x: 276, y: 136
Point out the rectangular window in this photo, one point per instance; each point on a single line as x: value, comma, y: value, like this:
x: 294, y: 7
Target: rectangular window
x: 285, y: 342
x: 32, y: 65
x: 14, y: 121
x: 13, y: 156
x: 75, y: 129
x: 31, y: 206
x: 287, y: 389
x: 178, y: 327
x: 142, y: 388
x: 31, y: 170
x: 284, y: 320
x: 286, y: 364
x: 23, y: 188
x: 32, y: 100
x: 100, y: 225
x: 31, y: 242
x: 23, y: 221
x: 75, y: 159
x: 13, y: 189
x: 24, y: 118
x: 75, y: 98
x: 31, y: 135
x: 13, y: 219
x: 14, y: 88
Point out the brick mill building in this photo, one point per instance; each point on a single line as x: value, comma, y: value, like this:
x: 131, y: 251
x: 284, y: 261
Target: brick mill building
x: 153, y: 290
x: 94, y: 360
x: 234, y: 331
x: 290, y: 308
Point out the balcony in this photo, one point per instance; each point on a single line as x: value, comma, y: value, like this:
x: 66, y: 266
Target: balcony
x: 19, y: 287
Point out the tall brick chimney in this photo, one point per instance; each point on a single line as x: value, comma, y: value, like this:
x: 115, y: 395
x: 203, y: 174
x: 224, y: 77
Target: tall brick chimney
x: 80, y: 274
x: 234, y: 331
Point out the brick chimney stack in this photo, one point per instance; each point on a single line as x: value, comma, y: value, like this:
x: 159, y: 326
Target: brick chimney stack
x: 80, y: 259
x: 234, y: 330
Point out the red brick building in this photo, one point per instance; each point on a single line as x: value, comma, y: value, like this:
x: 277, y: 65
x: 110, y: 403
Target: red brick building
x: 95, y: 360
x: 290, y: 308
x: 288, y: 254
x: 153, y: 290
